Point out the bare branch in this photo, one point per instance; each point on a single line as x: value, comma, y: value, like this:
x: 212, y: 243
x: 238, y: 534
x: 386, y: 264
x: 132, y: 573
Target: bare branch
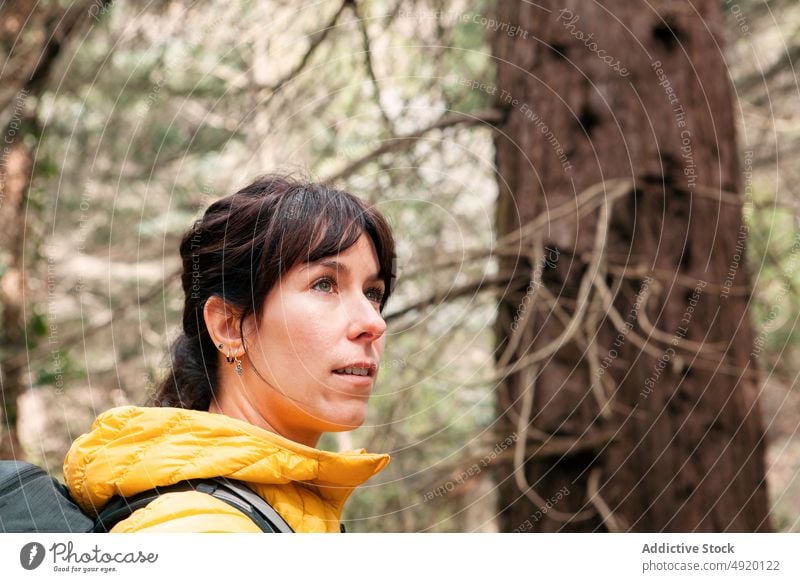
x: 80, y: 336
x: 362, y: 25
x: 316, y: 41
x: 468, y: 288
x: 599, y: 503
x: 520, y: 459
x: 785, y: 63
x: 491, y: 116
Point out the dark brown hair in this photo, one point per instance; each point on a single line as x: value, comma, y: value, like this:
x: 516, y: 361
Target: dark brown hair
x: 240, y: 249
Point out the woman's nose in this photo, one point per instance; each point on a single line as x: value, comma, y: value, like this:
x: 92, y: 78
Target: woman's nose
x: 365, y: 318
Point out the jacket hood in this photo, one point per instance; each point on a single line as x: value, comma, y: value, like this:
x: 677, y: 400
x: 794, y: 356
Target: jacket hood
x: 132, y: 449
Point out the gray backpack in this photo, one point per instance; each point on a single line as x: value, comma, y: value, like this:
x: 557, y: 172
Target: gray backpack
x: 32, y: 501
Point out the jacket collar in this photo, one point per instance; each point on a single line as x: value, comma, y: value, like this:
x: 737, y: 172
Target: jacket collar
x: 132, y: 449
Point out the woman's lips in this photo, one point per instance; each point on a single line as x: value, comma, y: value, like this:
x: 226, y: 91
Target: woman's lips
x: 355, y: 379
x: 370, y: 367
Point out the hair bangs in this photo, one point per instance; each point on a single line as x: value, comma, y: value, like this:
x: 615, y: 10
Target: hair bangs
x: 339, y: 220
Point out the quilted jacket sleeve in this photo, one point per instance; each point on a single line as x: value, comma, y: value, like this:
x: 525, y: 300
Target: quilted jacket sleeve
x: 187, y: 512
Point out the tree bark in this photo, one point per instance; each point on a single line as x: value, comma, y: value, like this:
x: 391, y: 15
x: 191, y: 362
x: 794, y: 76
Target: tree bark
x: 15, y: 173
x: 31, y: 39
x: 613, y: 94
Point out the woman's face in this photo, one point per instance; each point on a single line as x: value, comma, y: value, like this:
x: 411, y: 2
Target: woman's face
x: 318, y: 320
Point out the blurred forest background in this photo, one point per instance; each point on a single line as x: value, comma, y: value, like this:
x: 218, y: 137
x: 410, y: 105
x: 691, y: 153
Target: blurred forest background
x: 123, y: 120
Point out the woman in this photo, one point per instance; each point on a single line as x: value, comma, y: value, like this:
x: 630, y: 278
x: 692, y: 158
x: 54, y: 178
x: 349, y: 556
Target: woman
x: 284, y: 286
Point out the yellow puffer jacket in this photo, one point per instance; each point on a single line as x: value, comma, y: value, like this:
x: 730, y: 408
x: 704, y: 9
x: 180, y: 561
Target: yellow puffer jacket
x: 132, y: 449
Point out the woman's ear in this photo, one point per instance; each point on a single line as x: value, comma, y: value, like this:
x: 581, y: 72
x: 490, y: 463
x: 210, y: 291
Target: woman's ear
x: 222, y: 322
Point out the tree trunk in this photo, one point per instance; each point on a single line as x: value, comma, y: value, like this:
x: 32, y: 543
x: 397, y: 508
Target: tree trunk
x: 634, y: 347
x: 31, y: 38
x: 15, y: 173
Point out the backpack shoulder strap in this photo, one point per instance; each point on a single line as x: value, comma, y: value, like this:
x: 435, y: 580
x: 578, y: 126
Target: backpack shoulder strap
x: 234, y: 493
x: 244, y: 499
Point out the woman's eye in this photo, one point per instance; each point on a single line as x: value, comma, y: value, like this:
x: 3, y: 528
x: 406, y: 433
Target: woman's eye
x: 324, y: 281
x: 328, y: 285
x: 377, y: 294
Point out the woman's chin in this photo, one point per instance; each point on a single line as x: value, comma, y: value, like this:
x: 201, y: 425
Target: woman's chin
x: 343, y: 423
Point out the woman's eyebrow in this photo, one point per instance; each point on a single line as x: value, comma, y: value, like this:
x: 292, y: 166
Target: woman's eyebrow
x: 340, y: 267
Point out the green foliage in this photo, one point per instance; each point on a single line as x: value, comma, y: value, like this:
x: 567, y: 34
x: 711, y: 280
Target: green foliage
x: 773, y: 257
x: 38, y: 326
x: 60, y: 369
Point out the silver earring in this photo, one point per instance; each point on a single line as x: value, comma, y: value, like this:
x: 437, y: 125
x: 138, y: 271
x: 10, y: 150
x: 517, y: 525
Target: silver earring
x: 238, y: 369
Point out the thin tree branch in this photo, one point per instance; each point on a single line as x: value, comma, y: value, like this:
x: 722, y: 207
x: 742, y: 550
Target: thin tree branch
x: 541, y: 447
x: 759, y: 77
x: 362, y: 25
x: 520, y: 457
x: 593, y: 493
x: 77, y: 338
x: 490, y: 116
x: 712, y: 365
x: 583, y: 291
x: 436, y: 297
x: 316, y: 40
